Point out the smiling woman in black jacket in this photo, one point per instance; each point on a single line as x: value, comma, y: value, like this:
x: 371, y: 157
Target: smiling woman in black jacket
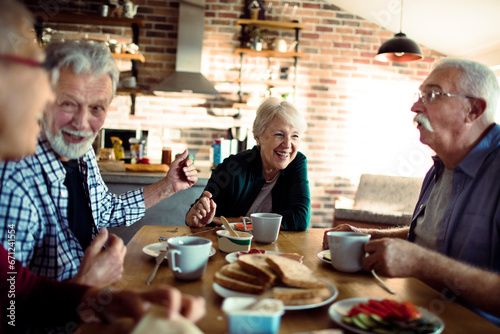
x: 271, y: 177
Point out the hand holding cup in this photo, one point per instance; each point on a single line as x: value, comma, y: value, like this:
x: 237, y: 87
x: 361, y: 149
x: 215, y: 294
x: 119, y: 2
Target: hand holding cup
x: 347, y: 250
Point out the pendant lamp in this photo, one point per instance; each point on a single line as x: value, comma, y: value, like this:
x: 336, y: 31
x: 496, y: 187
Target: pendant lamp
x: 399, y: 48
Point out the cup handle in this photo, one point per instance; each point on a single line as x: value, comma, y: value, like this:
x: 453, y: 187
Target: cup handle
x: 171, y: 256
x: 245, y: 222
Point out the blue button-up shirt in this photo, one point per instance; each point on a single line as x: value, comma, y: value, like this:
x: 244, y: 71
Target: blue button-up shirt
x: 34, y: 201
x: 470, y: 228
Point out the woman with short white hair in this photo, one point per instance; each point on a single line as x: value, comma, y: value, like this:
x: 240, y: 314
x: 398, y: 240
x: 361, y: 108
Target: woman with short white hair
x: 271, y: 177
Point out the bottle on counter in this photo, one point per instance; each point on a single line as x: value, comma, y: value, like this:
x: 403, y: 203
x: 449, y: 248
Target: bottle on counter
x: 217, y: 150
x: 117, y: 148
x: 166, y: 156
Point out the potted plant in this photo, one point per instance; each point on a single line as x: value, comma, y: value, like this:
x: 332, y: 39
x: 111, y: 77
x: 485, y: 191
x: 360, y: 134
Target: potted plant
x: 257, y: 38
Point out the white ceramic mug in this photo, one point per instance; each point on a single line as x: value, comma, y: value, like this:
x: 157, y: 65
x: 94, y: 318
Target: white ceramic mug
x: 347, y: 250
x: 265, y: 226
x: 188, y: 256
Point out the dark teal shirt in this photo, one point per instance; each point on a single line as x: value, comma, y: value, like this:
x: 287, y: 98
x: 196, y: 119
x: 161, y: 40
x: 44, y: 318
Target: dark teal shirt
x: 236, y: 182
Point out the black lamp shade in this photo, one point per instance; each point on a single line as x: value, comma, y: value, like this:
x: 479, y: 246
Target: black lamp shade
x: 399, y: 49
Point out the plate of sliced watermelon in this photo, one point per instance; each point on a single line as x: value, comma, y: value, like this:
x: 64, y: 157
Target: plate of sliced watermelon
x: 366, y: 316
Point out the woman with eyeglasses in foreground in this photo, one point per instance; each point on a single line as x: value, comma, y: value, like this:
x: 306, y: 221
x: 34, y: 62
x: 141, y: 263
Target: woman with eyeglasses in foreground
x: 25, y: 91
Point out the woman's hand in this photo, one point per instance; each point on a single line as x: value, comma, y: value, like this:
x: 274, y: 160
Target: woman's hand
x: 203, y: 212
x: 135, y: 304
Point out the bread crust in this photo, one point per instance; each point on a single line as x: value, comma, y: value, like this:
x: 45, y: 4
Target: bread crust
x: 288, y: 294
x: 258, y: 265
x: 236, y: 285
x: 235, y: 271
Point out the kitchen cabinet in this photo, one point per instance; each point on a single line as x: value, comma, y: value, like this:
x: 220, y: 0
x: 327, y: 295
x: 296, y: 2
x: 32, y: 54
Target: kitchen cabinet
x: 245, y: 53
x: 93, y: 20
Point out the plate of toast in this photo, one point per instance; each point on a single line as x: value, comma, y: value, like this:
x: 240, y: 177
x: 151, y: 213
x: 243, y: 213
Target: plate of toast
x: 277, y: 276
x: 233, y: 257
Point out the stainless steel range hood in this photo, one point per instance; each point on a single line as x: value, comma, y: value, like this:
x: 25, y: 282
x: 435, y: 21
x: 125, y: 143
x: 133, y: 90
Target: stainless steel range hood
x: 187, y: 78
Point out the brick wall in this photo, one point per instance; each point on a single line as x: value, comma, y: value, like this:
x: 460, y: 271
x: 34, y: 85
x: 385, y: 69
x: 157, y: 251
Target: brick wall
x: 357, y: 109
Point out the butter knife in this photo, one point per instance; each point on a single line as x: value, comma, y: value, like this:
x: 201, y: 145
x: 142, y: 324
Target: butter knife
x: 159, y: 260
x: 385, y: 286
x: 199, y: 232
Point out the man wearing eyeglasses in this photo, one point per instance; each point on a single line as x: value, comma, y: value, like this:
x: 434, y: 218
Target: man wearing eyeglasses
x: 56, y: 200
x: 453, y: 242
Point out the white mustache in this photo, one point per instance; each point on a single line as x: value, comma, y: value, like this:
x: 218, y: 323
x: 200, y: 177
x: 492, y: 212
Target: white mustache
x: 424, y: 121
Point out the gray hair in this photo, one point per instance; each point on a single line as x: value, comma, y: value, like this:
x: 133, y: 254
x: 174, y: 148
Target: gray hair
x: 16, y: 28
x: 272, y: 107
x: 83, y: 56
x: 477, y: 80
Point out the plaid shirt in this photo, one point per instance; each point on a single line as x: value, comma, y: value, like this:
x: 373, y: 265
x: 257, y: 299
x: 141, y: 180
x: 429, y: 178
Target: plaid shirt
x: 34, y: 201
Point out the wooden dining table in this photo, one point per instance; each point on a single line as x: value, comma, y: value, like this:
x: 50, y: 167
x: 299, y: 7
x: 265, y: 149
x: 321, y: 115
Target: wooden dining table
x: 138, y: 265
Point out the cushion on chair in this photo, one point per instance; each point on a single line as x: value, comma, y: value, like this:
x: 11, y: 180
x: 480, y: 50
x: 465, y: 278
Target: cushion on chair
x: 382, y: 199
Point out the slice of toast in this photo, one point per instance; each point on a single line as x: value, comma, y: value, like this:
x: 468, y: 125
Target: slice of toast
x: 299, y: 296
x: 303, y: 301
x: 237, y: 285
x: 294, y: 256
x: 257, y: 265
x: 234, y: 271
x: 293, y: 273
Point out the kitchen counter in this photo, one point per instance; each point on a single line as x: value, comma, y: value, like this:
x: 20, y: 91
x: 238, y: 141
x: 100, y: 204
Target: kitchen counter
x: 171, y: 211
x: 144, y: 178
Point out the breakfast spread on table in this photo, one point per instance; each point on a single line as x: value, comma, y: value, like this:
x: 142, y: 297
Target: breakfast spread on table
x: 283, y: 275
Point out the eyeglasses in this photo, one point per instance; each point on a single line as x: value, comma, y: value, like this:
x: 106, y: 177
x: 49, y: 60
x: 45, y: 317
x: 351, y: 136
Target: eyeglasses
x: 22, y: 60
x: 430, y: 96
x: 52, y: 71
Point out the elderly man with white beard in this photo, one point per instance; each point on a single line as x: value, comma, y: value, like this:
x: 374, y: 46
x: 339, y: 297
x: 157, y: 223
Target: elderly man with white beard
x: 56, y: 201
x: 453, y: 242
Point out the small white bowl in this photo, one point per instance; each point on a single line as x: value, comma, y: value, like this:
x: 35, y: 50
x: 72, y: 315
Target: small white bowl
x: 229, y: 244
x: 265, y: 319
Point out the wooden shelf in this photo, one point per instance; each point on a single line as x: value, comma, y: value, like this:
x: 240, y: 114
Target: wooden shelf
x: 243, y: 106
x: 95, y: 20
x: 136, y: 91
x: 269, y: 53
x: 278, y: 83
x: 91, y: 20
x: 271, y: 24
x: 129, y: 56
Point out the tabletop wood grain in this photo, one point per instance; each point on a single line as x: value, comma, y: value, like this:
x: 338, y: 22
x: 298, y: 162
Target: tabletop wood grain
x: 138, y: 266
